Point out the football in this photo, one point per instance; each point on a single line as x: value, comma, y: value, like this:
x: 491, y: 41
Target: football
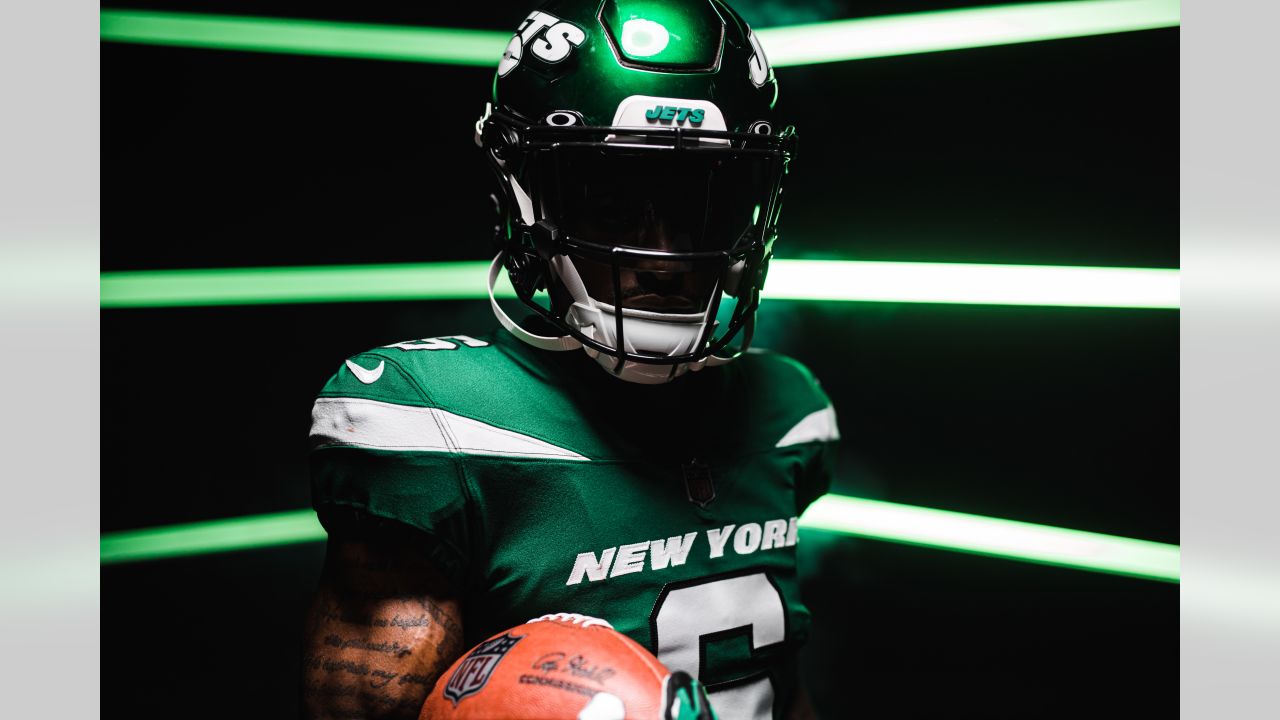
x: 563, y: 666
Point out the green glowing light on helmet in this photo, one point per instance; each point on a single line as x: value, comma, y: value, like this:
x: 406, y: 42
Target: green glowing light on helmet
x: 644, y: 38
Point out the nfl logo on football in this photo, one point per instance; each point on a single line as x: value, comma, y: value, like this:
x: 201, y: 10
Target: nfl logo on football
x: 475, y: 671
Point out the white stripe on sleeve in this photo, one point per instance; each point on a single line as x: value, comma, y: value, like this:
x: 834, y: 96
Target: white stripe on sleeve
x: 344, y: 421
x: 819, y: 426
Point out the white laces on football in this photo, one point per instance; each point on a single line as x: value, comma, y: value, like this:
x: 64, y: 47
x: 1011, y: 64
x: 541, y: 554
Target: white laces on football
x: 575, y: 618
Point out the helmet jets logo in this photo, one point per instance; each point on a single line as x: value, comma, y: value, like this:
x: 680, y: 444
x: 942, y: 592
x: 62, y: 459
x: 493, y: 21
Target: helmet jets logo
x: 553, y: 39
x: 645, y: 110
x: 758, y: 66
x: 668, y: 113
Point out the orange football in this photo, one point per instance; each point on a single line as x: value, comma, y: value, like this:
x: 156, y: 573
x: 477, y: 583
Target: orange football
x: 556, y: 667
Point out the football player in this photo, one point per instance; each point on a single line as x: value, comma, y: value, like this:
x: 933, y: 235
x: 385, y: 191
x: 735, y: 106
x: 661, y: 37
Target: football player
x: 620, y: 453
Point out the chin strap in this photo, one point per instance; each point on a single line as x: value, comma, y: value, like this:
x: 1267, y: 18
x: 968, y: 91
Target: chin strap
x: 748, y: 330
x: 715, y: 361
x: 542, y: 342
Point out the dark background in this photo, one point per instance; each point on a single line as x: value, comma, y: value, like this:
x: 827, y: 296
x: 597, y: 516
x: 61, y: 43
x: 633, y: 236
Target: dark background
x: 1057, y: 152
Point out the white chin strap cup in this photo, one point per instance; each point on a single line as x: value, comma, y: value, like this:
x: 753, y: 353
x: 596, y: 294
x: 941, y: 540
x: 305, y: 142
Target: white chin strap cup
x: 601, y: 329
x: 542, y: 342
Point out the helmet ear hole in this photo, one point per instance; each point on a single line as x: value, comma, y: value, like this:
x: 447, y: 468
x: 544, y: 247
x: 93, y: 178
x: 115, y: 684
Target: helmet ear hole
x: 499, y: 140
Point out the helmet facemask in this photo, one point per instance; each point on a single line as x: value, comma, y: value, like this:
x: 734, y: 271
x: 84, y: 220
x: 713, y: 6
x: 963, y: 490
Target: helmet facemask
x: 637, y: 234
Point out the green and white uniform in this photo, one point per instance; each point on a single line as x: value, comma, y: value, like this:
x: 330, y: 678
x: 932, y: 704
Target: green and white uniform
x: 548, y: 486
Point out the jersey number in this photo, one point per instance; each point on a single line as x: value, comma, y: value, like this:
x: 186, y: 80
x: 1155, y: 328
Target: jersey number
x: 687, y: 617
x: 438, y: 343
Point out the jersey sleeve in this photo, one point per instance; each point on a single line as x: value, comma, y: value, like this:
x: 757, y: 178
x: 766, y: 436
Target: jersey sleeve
x: 378, y: 448
x: 798, y: 418
x: 822, y: 434
x: 819, y: 472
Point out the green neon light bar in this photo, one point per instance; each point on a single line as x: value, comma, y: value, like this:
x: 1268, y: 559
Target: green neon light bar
x: 211, y: 536
x: 786, y: 46
x: 451, y: 46
x: 973, y: 284
x: 834, y: 513
x: 962, y: 29
x: 272, y: 285
x: 994, y: 537
x: 818, y: 280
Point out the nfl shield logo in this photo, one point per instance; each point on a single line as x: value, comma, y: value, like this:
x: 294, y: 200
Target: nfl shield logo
x: 476, y: 668
x: 698, y: 484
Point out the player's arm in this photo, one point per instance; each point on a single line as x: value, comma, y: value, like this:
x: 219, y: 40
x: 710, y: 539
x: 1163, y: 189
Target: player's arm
x: 384, y: 624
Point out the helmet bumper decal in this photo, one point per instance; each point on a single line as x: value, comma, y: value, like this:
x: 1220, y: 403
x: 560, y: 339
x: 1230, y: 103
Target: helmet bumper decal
x: 647, y: 111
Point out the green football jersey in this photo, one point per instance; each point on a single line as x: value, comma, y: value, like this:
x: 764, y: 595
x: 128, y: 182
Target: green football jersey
x: 548, y: 486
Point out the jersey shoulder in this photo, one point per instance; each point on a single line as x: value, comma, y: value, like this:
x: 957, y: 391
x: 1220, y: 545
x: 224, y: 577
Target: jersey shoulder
x: 428, y: 372
x: 462, y: 392
x: 386, y: 446
x: 787, y: 403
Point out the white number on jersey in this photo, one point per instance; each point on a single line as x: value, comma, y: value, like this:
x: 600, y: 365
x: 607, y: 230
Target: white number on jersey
x: 749, y: 604
x: 439, y: 343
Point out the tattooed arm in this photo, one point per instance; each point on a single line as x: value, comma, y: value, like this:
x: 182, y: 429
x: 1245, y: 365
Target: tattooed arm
x: 384, y: 624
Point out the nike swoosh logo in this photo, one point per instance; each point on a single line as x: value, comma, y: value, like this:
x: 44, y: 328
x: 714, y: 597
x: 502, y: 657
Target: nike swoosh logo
x: 368, y: 377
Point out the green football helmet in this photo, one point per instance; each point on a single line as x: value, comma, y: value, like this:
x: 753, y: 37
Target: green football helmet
x: 640, y: 174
